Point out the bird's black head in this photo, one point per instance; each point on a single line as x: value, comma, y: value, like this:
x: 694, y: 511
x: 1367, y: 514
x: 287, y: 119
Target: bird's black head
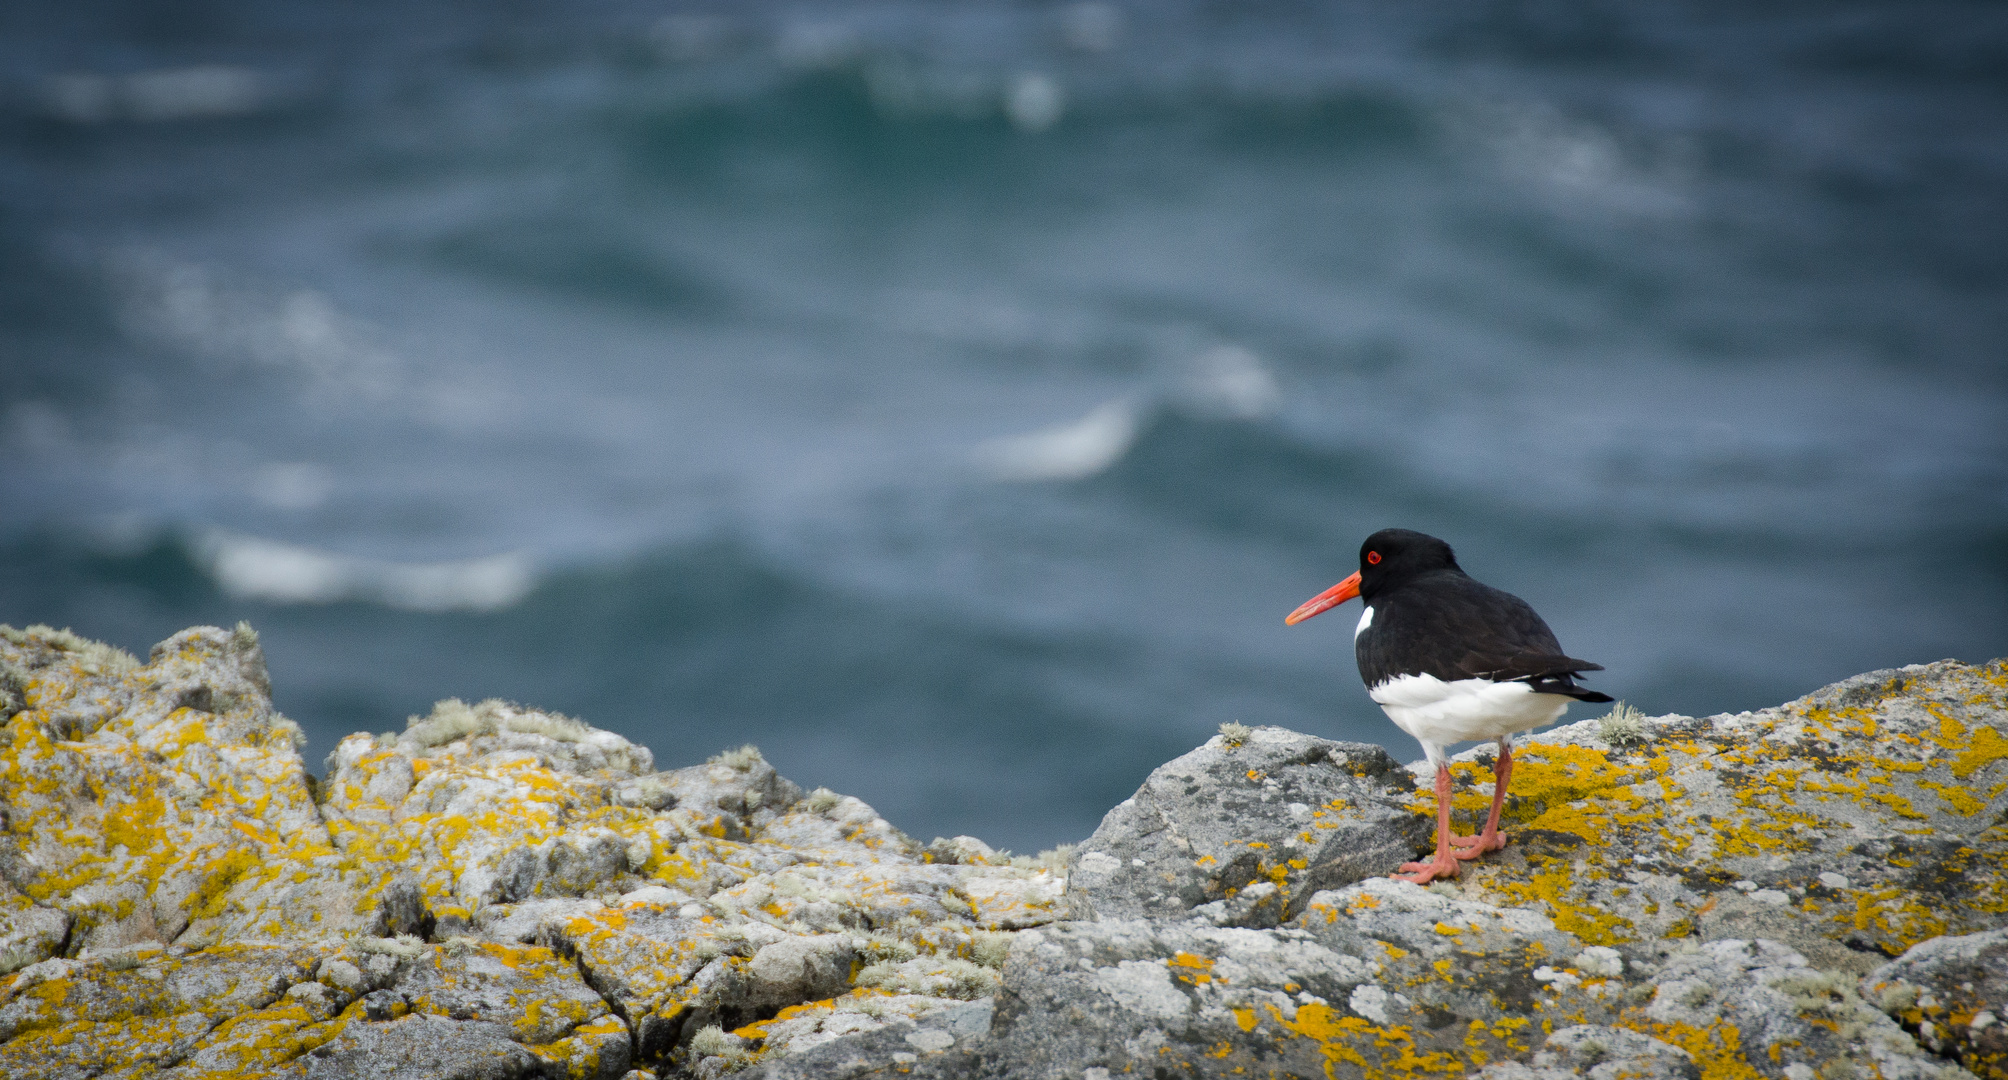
x: 1388, y: 558
x: 1392, y: 556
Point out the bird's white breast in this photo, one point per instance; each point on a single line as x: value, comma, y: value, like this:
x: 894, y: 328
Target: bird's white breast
x: 1439, y: 713
x: 1366, y: 620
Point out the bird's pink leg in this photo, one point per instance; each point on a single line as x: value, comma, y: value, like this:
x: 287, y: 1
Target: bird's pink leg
x: 1470, y: 847
x: 1445, y: 862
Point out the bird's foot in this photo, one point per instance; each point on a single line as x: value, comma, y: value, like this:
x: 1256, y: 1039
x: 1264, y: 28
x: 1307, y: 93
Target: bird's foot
x: 1471, y: 847
x: 1422, y: 873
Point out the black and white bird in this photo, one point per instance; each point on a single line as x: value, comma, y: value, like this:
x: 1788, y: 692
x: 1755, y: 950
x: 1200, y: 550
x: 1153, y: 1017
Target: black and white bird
x: 1451, y: 660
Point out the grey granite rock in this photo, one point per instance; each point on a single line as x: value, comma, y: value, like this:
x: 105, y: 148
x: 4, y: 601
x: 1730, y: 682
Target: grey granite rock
x: 804, y: 968
x: 1598, y: 1052
x: 952, y: 1041
x: 155, y: 1006
x: 29, y: 932
x: 1275, y: 809
x: 734, y: 792
x: 1365, y: 967
x: 1805, y: 1019
x: 1952, y: 994
x: 504, y: 892
x: 423, y: 1048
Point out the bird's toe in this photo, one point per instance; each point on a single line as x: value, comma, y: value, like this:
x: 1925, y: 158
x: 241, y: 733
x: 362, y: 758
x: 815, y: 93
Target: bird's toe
x: 1471, y: 847
x: 1422, y: 873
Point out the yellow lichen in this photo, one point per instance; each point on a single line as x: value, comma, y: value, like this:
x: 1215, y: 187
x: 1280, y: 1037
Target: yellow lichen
x: 1197, y: 969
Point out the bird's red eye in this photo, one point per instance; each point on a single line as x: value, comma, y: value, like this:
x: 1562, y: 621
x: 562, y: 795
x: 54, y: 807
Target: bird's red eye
x: 1373, y: 557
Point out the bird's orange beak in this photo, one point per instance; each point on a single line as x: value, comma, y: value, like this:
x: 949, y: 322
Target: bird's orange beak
x: 1330, y: 598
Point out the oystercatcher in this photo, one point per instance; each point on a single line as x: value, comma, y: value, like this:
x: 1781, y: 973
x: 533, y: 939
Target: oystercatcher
x: 1450, y: 660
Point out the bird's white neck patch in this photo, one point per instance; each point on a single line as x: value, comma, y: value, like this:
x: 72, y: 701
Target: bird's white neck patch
x: 1366, y: 620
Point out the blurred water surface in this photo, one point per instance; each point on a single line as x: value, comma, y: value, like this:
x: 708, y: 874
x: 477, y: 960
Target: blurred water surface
x: 951, y: 398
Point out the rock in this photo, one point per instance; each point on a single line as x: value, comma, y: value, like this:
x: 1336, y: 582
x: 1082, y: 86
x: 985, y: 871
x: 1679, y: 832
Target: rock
x: 420, y: 1048
x: 734, y: 791
x: 1952, y: 994
x: 965, y: 850
x: 1599, y: 1052
x: 599, y: 1050
x: 29, y: 932
x: 384, y: 1005
x: 170, y: 794
x: 137, y: 1009
x: 1287, y: 813
x: 797, y: 969
x: 1727, y: 999
x: 500, y: 891
x: 496, y: 983
x: 402, y: 911
x: 320, y: 1001
x: 341, y: 975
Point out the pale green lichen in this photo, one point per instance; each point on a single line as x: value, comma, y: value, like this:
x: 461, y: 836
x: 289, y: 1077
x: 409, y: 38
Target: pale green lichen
x: 403, y: 945
x: 1831, y: 996
x: 1591, y: 1051
x: 1233, y: 735
x: 742, y: 760
x: 1896, y: 997
x: 455, y: 719
x: 935, y: 976
x: 91, y: 657
x: 991, y: 947
x: 873, y: 1007
x: 1624, y: 727
x: 13, y: 690
x: 821, y: 801
x: 460, y: 945
x: 450, y: 719
x: 889, y: 946
x: 551, y: 725
x: 286, y: 729
x: 1052, y: 859
x: 714, y: 1041
x: 708, y: 949
x: 129, y: 959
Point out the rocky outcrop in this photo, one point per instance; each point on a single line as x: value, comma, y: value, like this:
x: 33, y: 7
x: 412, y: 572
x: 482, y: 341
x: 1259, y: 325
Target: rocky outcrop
x: 1952, y: 993
x: 494, y: 892
x: 1247, y: 827
x: 1809, y: 891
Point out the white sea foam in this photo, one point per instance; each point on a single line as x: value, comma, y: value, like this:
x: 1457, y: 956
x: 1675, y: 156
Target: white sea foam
x: 1577, y: 159
x: 1071, y: 451
x: 1034, y: 102
x: 254, y: 568
x: 1231, y: 379
x: 233, y: 323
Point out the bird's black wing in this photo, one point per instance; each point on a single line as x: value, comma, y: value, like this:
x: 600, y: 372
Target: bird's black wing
x: 1453, y: 627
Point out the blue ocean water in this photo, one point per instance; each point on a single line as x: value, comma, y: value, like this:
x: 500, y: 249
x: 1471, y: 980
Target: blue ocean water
x: 952, y: 398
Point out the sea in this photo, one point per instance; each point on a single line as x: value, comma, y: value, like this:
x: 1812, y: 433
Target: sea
x: 951, y: 398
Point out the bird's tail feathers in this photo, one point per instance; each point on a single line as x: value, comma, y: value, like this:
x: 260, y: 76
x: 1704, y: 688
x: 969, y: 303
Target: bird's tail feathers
x: 1564, y: 686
